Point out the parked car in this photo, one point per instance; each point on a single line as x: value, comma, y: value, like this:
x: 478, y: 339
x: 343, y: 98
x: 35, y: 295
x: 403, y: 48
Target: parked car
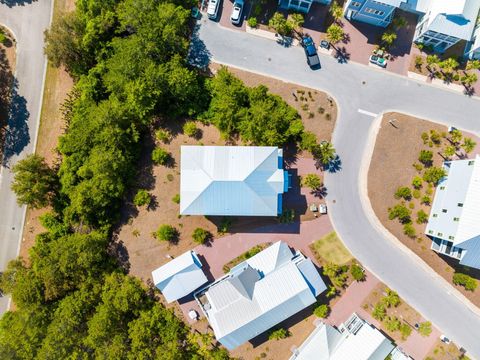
x: 322, y: 209
x: 378, y: 60
x: 212, y: 9
x: 444, y: 339
x: 237, y: 10
x: 324, y: 44
x: 311, y: 52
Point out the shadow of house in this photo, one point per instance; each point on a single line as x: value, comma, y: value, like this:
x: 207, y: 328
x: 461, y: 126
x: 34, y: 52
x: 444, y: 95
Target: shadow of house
x: 316, y: 18
x: 404, y: 42
x: 17, y: 136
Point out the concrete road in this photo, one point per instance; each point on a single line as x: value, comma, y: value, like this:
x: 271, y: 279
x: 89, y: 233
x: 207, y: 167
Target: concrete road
x: 362, y: 93
x: 27, y: 20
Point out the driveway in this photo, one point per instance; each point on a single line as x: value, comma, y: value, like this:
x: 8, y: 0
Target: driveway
x: 362, y: 93
x: 27, y: 20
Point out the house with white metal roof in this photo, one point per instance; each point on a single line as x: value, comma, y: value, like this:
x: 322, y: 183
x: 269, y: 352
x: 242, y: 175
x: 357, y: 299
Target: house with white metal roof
x: 454, y: 222
x: 442, y: 23
x: 259, y: 293
x: 300, y: 5
x: 180, y: 276
x: 354, y: 339
x: 232, y: 180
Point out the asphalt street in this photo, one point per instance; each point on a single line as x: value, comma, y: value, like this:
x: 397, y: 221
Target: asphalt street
x: 362, y: 94
x: 27, y: 20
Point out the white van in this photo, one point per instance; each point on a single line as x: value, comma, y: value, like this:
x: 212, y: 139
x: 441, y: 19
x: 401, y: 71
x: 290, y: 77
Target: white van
x: 212, y: 10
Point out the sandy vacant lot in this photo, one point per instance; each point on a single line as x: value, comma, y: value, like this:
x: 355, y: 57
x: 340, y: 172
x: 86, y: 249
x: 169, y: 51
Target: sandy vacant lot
x: 396, y: 149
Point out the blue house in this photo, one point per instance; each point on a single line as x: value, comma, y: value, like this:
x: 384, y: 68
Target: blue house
x: 300, y: 5
x: 371, y: 11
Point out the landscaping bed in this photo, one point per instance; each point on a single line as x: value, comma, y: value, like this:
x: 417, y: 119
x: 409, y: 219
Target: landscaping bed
x: 397, y: 148
x: 246, y: 255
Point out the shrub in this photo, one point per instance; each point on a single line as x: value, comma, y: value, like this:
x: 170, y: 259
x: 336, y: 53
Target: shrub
x: 190, y: 129
x: 142, y: 198
x: 312, y: 181
x: 163, y: 136
x: 399, y: 212
x: 426, y: 200
x: 201, y: 236
x: 405, y: 330
x: 278, y: 334
x: 434, y: 175
x: 166, y: 233
x: 435, y: 137
x: 425, y: 157
x: 332, y: 292
x: 411, y: 205
x: 287, y: 216
x: 392, y: 323
x: 357, y: 272
x: 176, y: 199
x: 403, y: 192
x: 425, y: 328
x: 224, y: 225
x: 425, y: 138
x: 422, y: 217
x: 409, y: 230
x: 379, y: 312
x: 321, y: 110
x: 417, y: 182
x: 322, y: 311
x: 416, y: 194
x: 160, y: 156
x: 464, y: 280
x: 252, y: 22
x: 308, y: 141
x: 391, y: 298
x: 336, y: 273
x: 418, y: 167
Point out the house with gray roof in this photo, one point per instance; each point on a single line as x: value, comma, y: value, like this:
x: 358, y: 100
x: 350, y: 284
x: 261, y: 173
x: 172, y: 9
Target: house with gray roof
x: 454, y: 222
x: 232, y: 180
x: 354, y: 339
x: 259, y: 293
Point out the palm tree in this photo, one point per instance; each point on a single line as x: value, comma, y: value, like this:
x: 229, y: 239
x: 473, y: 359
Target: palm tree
x: 399, y: 22
x: 326, y: 153
x: 335, y: 34
x: 432, y: 62
x: 388, y: 38
x: 449, y: 65
x: 469, y: 79
x: 456, y: 136
x: 449, y: 151
x: 336, y: 11
x: 468, y: 145
x: 473, y: 65
x: 280, y: 24
x: 296, y: 21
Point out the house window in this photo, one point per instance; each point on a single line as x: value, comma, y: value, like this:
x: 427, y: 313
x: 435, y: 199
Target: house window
x: 355, y: 4
x: 374, y: 11
x: 444, y: 210
x: 460, y: 204
x: 471, y: 162
x: 440, y: 234
x: 430, y: 231
x: 434, y: 215
x: 456, y: 219
x: 451, y: 237
x: 442, y: 187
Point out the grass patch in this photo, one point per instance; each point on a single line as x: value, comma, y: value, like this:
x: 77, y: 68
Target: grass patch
x: 246, y: 255
x: 330, y: 249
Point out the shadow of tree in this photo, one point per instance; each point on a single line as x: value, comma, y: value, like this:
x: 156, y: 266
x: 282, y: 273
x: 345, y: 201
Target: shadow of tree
x: 12, y: 3
x: 16, y: 133
x: 198, y: 54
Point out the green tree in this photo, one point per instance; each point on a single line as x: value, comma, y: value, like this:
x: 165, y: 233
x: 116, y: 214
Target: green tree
x: 449, y: 65
x: 425, y: 328
x: 388, y: 38
x: 324, y: 153
x: 432, y: 63
x: 465, y: 280
x: 279, y: 23
x: 336, y: 11
x: 405, y: 330
x: 409, y: 230
x: 434, y: 174
x: 422, y: 217
x: 399, y: 212
x: 426, y: 157
x: 379, y: 312
x: 166, y: 233
x: 417, y: 182
x: 335, y: 34
x: 190, y: 129
x: 322, y: 311
x: 160, y: 156
x: 33, y: 181
x: 296, y: 21
x: 418, y: 62
x: 279, y: 334
x: 312, y: 181
x: 308, y: 141
x: 469, y: 79
x: 357, y: 272
x: 468, y: 145
x: 392, y: 323
x: 142, y: 197
x: 332, y: 292
x: 456, y: 137
x: 201, y: 236
x: 473, y: 65
x: 426, y: 200
x: 391, y: 298
x: 449, y: 151
x: 403, y: 192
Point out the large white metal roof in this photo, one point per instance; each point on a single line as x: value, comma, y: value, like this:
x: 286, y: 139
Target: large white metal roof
x: 230, y: 180
x: 179, y: 277
x: 260, y: 293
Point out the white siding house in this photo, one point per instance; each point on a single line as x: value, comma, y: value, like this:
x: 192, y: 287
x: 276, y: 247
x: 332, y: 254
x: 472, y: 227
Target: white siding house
x: 259, y: 293
x: 454, y: 223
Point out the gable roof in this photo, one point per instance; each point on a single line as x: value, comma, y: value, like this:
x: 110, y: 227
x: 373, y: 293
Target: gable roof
x: 230, y: 180
x: 260, y: 293
x: 356, y: 339
x: 179, y: 277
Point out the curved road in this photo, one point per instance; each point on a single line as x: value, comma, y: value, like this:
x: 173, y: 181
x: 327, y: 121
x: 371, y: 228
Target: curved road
x: 28, y: 21
x: 357, y: 87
